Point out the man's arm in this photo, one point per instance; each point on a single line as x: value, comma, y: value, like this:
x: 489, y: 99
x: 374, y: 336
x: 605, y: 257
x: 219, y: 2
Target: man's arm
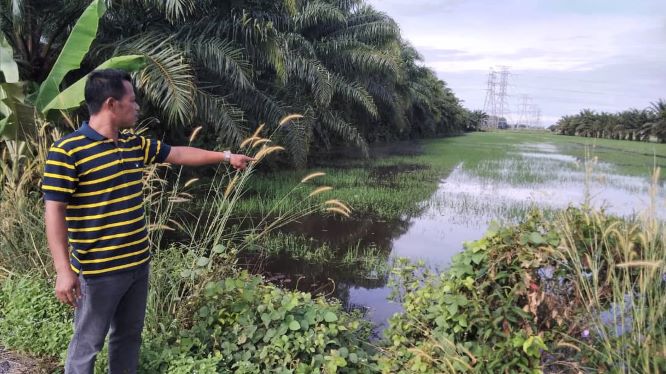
x: 191, y: 156
x: 68, y: 288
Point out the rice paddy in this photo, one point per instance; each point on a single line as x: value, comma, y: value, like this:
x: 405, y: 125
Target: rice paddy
x: 424, y: 203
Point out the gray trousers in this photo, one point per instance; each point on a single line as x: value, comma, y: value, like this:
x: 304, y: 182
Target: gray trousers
x: 115, y: 301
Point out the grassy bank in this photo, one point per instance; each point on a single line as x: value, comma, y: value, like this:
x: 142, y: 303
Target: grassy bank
x: 580, y: 294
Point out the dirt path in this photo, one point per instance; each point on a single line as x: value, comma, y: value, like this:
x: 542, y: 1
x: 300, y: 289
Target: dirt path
x: 14, y: 363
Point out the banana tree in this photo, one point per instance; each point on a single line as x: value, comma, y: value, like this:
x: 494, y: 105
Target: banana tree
x: 18, y: 111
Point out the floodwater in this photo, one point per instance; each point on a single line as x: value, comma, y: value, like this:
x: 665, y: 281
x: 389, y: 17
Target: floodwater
x: 466, y: 201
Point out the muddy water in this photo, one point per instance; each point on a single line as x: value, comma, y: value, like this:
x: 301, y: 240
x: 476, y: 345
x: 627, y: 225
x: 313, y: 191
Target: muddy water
x: 467, y: 200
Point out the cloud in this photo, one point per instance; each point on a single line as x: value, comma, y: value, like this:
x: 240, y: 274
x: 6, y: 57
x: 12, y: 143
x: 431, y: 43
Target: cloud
x: 561, y: 43
x: 568, y: 55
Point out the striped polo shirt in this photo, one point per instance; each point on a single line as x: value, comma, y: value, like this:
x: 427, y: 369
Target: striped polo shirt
x: 101, y: 182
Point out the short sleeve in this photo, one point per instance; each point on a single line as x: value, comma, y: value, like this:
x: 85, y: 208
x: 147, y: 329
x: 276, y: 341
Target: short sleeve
x: 154, y: 151
x: 60, y: 176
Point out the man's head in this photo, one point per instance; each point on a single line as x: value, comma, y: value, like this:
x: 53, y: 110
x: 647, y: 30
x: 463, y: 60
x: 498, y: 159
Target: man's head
x: 109, y: 93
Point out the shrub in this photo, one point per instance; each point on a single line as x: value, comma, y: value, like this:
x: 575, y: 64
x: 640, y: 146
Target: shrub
x: 32, y: 320
x: 582, y: 293
x: 245, y: 325
x: 481, y: 314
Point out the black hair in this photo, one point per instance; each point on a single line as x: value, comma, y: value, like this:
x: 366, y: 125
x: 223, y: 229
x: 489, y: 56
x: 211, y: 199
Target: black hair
x: 102, y: 84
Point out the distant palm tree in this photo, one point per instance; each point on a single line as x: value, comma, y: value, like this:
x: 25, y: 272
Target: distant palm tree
x: 658, y: 120
x: 476, y: 119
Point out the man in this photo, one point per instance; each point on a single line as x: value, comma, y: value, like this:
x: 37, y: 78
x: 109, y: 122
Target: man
x: 92, y: 189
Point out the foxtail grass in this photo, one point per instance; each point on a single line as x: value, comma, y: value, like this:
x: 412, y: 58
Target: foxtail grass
x: 619, y: 279
x: 211, y: 245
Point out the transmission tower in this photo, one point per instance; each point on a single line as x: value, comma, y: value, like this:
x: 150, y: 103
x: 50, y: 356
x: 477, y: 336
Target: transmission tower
x: 490, y: 105
x: 502, y: 94
x: 525, y: 104
x: 533, y: 115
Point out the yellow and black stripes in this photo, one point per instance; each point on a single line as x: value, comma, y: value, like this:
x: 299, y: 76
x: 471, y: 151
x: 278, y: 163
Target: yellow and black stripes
x: 100, y: 180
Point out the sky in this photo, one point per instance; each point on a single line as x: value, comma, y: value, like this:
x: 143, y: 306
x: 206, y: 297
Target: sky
x: 563, y: 55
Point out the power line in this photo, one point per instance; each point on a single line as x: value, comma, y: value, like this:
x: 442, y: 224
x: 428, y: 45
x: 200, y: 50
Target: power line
x: 582, y: 91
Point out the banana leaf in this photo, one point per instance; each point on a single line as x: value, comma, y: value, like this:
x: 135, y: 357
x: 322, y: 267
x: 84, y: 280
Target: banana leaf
x: 8, y: 66
x: 76, y: 47
x: 73, y: 96
x: 18, y: 120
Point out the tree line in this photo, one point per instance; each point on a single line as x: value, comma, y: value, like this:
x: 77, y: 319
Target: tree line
x: 633, y: 124
x: 231, y: 65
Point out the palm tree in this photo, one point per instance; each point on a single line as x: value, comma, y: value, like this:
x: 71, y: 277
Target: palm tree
x: 476, y: 120
x: 36, y: 30
x: 658, y: 120
x: 232, y: 65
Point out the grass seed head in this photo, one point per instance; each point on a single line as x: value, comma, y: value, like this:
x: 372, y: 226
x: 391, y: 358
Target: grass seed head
x: 248, y: 141
x: 289, y: 118
x: 338, y: 204
x: 258, y: 130
x: 260, y: 142
x: 190, y: 182
x: 312, y: 176
x: 195, y: 133
x: 338, y: 210
x: 265, y: 151
x: 320, y: 190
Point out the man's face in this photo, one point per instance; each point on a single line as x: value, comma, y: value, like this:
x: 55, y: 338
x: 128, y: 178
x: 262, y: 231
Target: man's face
x: 126, y: 110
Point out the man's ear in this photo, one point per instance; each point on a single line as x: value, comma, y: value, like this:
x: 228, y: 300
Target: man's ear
x: 109, y: 103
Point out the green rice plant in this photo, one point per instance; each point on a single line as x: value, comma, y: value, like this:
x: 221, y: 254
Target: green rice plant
x: 367, y: 260
x: 296, y: 247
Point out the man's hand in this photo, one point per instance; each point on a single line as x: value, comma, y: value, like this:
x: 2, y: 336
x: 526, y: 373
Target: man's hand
x: 68, y: 288
x: 239, y: 162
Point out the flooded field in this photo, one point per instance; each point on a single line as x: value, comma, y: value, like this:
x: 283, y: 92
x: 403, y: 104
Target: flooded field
x: 503, y: 187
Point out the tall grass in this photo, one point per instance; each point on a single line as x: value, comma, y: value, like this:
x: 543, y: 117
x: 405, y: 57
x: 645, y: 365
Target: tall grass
x: 209, y: 251
x: 22, y: 234
x: 619, y: 278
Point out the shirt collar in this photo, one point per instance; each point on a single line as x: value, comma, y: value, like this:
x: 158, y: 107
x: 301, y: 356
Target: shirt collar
x: 90, y: 133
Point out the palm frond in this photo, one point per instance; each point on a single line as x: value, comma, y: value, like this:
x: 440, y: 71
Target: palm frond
x: 381, y: 91
x: 298, y: 43
x: 346, y: 54
x: 259, y: 106
x: 173, y: 10
x: 315, y: 74
x: 220, y: 56
x: 369, y: 26
x: 334, y: 122
x: 168, y: 80
x: 297, y: 137
x: 354, y: 92
x: 347, y: 5
x: 318, y: 13
x: 225, y: 118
